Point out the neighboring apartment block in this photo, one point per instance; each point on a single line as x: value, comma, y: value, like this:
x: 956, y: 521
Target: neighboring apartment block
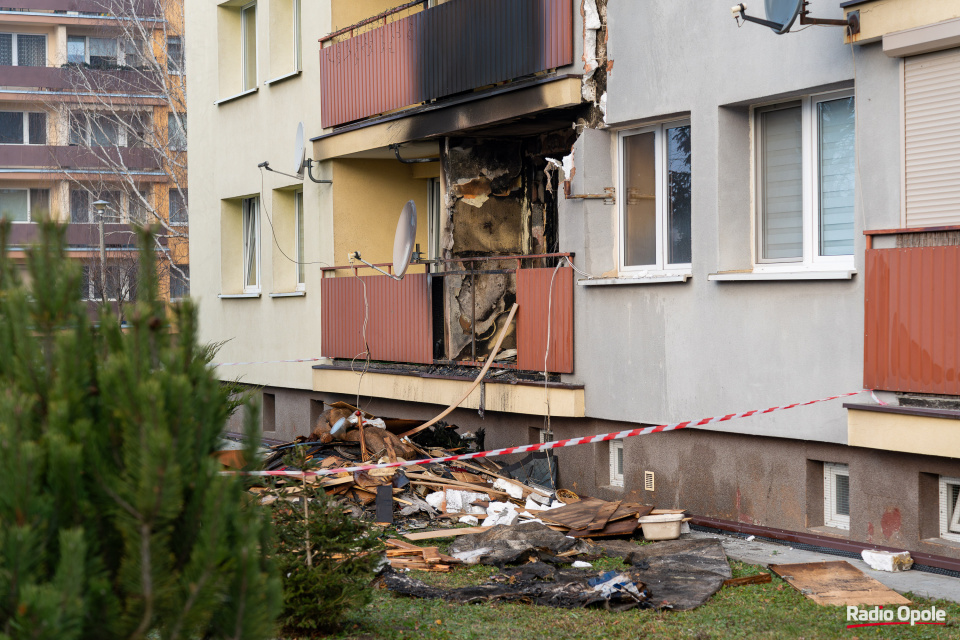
x: 93, y: 108
x: 755, y: 220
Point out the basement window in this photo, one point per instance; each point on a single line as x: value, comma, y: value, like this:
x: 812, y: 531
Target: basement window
x: 616, y: 463
x: 950, y: 508
x: 836, y: 495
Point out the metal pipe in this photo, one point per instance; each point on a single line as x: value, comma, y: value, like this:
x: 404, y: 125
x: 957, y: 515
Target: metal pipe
x: 396, y: 151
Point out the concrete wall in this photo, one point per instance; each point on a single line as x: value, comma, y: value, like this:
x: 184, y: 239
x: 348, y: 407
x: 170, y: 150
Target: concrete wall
x: 686, y: 350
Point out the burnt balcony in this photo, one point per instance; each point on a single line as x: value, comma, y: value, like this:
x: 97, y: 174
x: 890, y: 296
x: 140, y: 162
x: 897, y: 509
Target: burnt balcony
x: 410, y: 321
x: 81, y: 79
x: 452, y: 48
x: 45, y: 156
x: 912, y: 315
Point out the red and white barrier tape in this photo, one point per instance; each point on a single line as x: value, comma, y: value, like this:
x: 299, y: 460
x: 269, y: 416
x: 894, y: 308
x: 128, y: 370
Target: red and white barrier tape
x: 556, y: 444
x: 232, y: 364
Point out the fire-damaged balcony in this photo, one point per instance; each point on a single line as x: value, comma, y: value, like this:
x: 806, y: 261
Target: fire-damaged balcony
x: 911, y: 343
x: 409, y: 329
x: 452, y: 48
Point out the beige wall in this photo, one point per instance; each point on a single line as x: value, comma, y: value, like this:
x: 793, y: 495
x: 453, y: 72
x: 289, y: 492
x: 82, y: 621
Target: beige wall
x: 887, y: 16
x: 347, y: 12
x: 368, y: 196
x: 906, y: 433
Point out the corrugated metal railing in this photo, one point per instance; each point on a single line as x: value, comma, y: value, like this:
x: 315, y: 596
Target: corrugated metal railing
x: 454, y: 47
x: 912, y: 320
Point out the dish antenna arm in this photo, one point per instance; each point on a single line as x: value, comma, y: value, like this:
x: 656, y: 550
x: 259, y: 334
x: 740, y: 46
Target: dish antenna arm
x: 740, y: 11
x: 852, y: 23
x: 356, y: 256
x: 308, y: 163
x: 396, y: 151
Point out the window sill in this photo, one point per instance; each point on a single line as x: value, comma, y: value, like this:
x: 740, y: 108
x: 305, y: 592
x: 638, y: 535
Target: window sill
x: 237, y: 296
x: 760, y: 276
x: 943, y: 542
x: 288, y: 294
x: 236, y: 96
x: 626, y: 279
x: 287, y: 76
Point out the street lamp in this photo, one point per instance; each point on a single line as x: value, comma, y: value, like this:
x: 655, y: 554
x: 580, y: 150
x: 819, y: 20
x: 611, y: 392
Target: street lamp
x: 100, y: 206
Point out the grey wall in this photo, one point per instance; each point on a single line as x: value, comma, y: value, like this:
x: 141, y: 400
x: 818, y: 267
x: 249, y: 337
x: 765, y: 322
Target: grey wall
x: 654, y: 353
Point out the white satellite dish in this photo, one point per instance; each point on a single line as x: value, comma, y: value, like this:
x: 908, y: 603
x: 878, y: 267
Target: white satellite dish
x: 404, y: 242
x: 405, y: 239
x: 783, y: 13
x: 300, y: 151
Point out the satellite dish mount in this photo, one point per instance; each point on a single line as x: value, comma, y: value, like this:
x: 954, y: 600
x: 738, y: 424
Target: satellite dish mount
x: 781, y: 14
x: 301, y: 160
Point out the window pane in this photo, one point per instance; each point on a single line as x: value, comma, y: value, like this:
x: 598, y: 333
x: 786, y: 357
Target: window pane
x: 250, y: 257
x: 176, y: 136
x: 640, y: 204
x: 39, y: 203
x: 6, y: 49
x: 782, y: 184
x: 38, y: 128
x: 13, y: 204
x: 300, y: 265
x: 620, y: 460
x: 678, y: 184
x: 174, y: 54
x: 105, y: 132
x: 178, y: 208
x: 180, y: 284
x: 837, y: 154
x: 138, y: 207
x: 103, y: 52
x: 76, y: 49
x: 11, y: 127
x: 133, y: 53
x: 842, y: 490
x: 31, y: 51
x: 249, y: 17
x: 79, y: 206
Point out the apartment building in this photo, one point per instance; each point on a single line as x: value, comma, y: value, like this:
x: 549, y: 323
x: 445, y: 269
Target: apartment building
x: 92, y: 108
x: 755, y: 219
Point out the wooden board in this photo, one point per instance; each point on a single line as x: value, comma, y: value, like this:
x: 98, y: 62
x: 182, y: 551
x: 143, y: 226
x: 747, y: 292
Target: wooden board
x: 760, y: 578
x: 631, y: 510
x: 400, y: 544
x: 626, y: 527
x: 576, y: 516
x: 603, y: 516
x: 445, y: 533
x: 836, y: 583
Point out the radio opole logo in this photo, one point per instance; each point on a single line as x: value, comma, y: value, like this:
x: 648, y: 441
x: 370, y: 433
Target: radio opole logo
x: 878, y: 616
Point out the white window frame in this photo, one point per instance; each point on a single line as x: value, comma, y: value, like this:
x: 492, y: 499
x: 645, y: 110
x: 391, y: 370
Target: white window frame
x: 661, y: 266
x: 243, y: 48
x: 298, y: 222
x: 14, y: 57
x: 29, y: 206
x: 245, y: 206
x: 297, y: 37
x: 830, y: 516
x: 25, y: 117
x: 616, y: 456
x: 434, y: 217
x: 121, y: 48
x: 810, y: 259
x: 949, y: 514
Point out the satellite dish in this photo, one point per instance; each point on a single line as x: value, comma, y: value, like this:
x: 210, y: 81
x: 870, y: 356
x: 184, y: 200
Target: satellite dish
x: 782, y: 12
x: 300, y: 151
x: 403, y: 242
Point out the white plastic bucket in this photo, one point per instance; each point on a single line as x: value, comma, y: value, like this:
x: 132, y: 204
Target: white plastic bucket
x: 665, y: 526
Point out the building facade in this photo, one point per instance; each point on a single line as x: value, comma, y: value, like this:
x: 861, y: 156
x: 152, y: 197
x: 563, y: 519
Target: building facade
x: 755, y: 220
x: 94, y: 109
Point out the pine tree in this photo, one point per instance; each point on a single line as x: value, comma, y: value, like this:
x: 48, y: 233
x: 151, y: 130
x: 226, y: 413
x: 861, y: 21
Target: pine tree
x: 114, y: 521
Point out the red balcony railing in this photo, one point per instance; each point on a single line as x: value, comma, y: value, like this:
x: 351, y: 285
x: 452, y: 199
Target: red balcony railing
x: 455, y: 47
x: 400, y: 315
x: 58, y: 157
x: 912, y: 320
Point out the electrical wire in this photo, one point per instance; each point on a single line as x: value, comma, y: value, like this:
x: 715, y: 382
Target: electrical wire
x: 263, y: 205
x: 366, y: 345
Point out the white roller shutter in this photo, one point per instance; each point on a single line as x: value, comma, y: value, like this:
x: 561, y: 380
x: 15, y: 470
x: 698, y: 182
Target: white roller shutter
x: 932, y: 138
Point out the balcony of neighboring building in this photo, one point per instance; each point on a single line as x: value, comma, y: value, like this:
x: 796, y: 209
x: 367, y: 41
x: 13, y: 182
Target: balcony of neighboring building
x: 417, y: 53
x: 76, y: 12
x: 24, y: 156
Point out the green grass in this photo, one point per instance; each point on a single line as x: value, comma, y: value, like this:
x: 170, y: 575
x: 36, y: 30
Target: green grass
x: 774, y: 610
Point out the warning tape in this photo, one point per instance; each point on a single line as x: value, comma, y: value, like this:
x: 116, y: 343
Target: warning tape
x: 555, y: 444
x: 232, y: 364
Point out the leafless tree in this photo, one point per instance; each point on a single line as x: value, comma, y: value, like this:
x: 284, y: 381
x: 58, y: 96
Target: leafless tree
x: 125, y: 114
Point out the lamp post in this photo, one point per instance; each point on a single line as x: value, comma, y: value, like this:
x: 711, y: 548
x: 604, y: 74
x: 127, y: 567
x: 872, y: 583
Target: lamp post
x: 101, y: 205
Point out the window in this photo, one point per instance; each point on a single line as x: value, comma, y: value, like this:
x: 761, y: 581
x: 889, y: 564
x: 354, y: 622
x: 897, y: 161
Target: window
x: 301, y: 267
x: 82, y: 209
x: 76, y: 50
x: 248, y: 39
x: 806, y: 181
x: 655, y: 210
x: 106, y: 53
x: 178, y: 207
x: 23, y: 50
x: 251, y: 245
x: 139, y: 208
x: 836, y: 495
x: 94, y: 129
x: 434, y: 218
x: 175, y: 55
x: 121, y: 283
x: 950, y: 508
x: 179, y: 281
x: 133, y: 54
x: 20, y: 127
x: 24, y: 205
x: 177, y: 131
x: 616, y: 463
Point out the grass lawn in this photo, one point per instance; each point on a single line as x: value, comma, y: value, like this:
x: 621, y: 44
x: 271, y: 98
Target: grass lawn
x: 774, y: 610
